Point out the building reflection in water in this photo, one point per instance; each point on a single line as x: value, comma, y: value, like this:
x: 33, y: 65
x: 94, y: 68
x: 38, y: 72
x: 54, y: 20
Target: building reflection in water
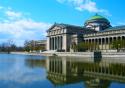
x: 94, y: 74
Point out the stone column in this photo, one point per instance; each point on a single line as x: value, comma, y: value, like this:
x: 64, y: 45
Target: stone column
x: 101, y: 43
x: 94, y: 45
x: 121, y: 42
x: 90, y: 44
x: 104, y: 43
x: 61, y: 42
x: 48, y: 43
x: 110, y: 39
x: 51, y: 43
x: 54, y: 43
x: 108, y: 43
x: 98, y: 44
x: 64, y: 42
x: 123, y: 38
x: 57, y: 43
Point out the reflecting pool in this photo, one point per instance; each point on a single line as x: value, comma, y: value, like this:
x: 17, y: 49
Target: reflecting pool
x: 25, y: 71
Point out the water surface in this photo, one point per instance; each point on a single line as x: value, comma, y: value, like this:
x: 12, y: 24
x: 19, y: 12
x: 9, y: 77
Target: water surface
x: 24, y: 71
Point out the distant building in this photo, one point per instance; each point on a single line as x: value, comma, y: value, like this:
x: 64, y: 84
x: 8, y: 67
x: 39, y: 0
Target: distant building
x: 37, y: 45
x: 97, y: 29
x: 41, y: 43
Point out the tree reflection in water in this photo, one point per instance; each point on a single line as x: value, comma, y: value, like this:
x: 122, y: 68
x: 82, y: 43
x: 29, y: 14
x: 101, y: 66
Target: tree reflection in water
x: 32, y: 63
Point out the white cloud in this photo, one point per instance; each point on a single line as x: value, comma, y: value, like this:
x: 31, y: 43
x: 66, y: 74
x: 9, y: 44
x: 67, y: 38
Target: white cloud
x: 85, y: 5
x: 24, y: 29
x: 15, y: 73
x: 13, y: 14
x: 18, y: 27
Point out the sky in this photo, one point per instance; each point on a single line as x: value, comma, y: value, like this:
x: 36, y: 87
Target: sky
x: 22, y: 20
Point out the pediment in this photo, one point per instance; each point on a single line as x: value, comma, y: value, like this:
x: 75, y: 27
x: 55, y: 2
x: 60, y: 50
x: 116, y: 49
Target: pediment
x: 54, y: 27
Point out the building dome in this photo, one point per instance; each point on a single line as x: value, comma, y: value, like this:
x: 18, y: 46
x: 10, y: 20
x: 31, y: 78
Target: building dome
x: 97, y: 22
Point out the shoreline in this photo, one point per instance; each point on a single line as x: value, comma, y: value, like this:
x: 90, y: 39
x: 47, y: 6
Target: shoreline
x: 27, y: 53
x: 75, y: 54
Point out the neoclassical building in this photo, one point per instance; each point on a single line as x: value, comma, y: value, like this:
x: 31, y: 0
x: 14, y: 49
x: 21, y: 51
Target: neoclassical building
x: 96, y: 30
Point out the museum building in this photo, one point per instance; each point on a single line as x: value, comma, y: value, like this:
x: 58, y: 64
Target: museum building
x: 96, y: 30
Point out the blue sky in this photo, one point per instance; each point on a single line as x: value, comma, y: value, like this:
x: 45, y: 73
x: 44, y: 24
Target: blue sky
x: 22, y: 20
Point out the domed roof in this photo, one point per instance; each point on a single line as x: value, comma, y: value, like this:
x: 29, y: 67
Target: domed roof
x: 97, y: 17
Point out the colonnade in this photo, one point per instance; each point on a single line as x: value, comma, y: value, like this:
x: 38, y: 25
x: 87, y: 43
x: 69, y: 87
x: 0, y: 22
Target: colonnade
x: 106, y: 68
x: 55, y: 43
x: 103, y: 43
x: 55, y: 66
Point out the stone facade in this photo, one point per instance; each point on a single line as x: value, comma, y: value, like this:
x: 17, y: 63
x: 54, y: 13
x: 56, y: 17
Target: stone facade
x: 97, y: 29
x: 61, y: 36
x: 105, y: 38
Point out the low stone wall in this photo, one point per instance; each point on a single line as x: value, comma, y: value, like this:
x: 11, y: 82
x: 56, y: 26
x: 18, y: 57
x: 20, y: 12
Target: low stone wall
x: 26, y: 53
x: 76, y: 54
x: 113, y: 54
x: 84, y: 54
x: 88, y: 54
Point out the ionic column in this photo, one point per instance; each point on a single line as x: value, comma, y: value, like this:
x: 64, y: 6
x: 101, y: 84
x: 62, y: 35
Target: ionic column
x: 58, y: 42
x: 110, y: 39
x: 98, y: 43
x: 105, y: 43
x: 94, y: 45
x: 91, y: 44
x: 54, y: 44
x: 121, y: 42
x: 123, y: 38
x: 50, y: 43
x: 61, y: 42
x: 102, y: 43
x: 108, y: 43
